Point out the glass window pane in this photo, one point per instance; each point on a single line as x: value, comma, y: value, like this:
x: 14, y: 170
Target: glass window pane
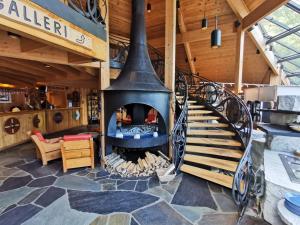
x: 293, y: 41
x: 270, y: 28
x: 286, y: 16
x: 295, y: 80
x: 296, y: 62
x: 282, y: 51
x: 290, y: 67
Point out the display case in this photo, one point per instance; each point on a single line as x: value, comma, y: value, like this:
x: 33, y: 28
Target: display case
x: 93, y: 105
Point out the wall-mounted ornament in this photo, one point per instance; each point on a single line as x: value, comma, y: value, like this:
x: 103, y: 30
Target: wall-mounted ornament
x: 37, y: 121
x: 58, y: 117
x: 12, y: 125
x: 76, y: 115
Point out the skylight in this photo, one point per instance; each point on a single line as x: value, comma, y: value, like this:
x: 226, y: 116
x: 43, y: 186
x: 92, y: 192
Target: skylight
x: 281, y: 30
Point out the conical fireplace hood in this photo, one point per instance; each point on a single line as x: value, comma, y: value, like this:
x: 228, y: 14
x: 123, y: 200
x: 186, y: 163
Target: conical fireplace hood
x: 138, y: 73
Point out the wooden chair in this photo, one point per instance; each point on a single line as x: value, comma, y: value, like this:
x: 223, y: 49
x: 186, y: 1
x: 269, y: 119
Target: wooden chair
x: 77, y: 151
x: 46, y: 150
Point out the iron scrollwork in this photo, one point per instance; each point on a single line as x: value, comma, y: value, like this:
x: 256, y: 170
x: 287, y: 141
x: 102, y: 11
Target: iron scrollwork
x: 90, y: 9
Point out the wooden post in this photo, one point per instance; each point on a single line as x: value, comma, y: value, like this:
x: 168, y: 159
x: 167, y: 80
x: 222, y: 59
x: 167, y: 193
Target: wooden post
x: 83, y: 106
x: 239, y: 60
x: 170, y: 50
x: 104, y: 82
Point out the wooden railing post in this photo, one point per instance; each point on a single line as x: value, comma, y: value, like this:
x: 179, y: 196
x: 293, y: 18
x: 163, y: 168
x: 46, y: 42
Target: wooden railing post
x: 104, y: 82
x: 239, y: 60
x: 170, y: 50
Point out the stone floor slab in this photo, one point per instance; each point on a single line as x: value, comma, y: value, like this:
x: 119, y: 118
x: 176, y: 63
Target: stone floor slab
x: 77, y: 183
x: 51, y: 195
x: 12, y: 183
x: 161, y: 193
x: 32, y: 196
x: 193, y: 191
x: 19, y: 215
x: 159, y: 214
x: 119, y: 219
x: 218, y: 219
x: 109, y: 201
x: 225, y: 202
x: 129, y: 185
x: 36, y: 169
x: 59, y: 213
x: 193, y: 213
x: 42, y: 182
x: 11, y: 197
x: 141, y: 186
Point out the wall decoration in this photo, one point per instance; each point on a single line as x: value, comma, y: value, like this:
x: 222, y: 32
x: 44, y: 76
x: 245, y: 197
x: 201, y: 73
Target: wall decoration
x: 58, y: 117
x: 12, y: 125
x: 76, y: 115
x: 37, y: 121
x: 5, y: 97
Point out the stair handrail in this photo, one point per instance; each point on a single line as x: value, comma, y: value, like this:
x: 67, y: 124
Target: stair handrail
x: 217, y: 97
x: 236, y: 112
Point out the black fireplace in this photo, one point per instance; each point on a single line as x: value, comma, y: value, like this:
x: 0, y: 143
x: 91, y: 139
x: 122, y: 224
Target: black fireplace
x: 137, y: 91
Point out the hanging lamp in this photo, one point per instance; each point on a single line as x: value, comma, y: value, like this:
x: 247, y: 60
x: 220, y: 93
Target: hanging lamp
x: 216, y: 36
x: 149, y: 7
x: 204, y: 20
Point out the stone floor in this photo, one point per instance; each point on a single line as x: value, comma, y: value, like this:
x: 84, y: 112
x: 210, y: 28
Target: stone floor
x: 35, y: 195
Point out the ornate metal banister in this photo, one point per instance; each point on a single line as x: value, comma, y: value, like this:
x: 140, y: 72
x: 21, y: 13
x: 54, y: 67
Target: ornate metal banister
x: 234, y: 110
x: 90, y: 9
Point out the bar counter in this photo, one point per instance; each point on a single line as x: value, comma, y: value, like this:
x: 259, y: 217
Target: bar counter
x: 16, y: 125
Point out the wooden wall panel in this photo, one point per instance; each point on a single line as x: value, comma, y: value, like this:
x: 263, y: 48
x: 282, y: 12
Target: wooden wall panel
x: 26, y: 123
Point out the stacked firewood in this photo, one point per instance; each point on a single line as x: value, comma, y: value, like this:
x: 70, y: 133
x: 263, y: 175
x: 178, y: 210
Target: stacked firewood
x: 143, y: 167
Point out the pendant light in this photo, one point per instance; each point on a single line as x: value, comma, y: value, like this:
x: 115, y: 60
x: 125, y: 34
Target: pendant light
x: 149, y: 7
x: 216, y: 36
x: 204, y: 20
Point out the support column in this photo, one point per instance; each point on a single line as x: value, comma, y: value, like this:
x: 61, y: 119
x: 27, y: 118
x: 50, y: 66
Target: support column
x: 170, y: 60
x: 239, y: 60
x: 104, y: 82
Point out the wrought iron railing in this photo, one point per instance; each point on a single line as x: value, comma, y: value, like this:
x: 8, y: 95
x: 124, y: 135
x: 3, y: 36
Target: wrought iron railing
x: 236, y: 113
x: 232, y: 109
x: 90, y: 9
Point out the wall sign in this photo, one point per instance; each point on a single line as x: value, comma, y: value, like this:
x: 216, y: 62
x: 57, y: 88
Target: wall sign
x: 5, y: 97
x: 25, y: 13
x: 12, y: 125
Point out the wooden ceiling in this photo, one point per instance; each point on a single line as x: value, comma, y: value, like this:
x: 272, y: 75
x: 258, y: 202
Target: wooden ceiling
x: 25, y: 63
x: 214, y: 64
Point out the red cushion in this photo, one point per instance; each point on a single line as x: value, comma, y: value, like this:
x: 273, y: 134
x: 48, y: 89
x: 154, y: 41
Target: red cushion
x: 79, y: 137
x: 39, y: 136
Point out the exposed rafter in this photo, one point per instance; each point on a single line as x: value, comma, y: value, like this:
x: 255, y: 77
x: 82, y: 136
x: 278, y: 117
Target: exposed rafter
x: 187, y: 46
x: 256, y: 35
x: 261, y: 11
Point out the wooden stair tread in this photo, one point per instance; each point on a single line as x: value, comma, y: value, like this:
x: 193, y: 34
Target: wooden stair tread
x: 208, y: 125
x: 232, y: 153
x: 213, y: 141
x: 202, y: 118
x: 209, y: 161
x: 211, y: 132
x: 214, y: 177
x: 196, y: 107
x: 191, y: 112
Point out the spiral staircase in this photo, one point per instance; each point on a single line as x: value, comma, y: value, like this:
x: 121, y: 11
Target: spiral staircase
x: 211, y: 138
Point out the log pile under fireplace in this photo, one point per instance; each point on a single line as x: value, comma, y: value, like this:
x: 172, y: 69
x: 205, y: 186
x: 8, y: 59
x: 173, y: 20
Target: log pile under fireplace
x: 143, y: 167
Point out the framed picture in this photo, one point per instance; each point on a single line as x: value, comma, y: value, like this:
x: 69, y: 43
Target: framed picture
x: 5, y: 97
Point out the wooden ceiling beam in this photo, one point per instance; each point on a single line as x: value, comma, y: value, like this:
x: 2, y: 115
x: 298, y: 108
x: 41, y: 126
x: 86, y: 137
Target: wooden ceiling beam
x: 256, y: 35
x: 30, y: 45
x: 195, y: 36
x: 65, y: 69
x: 13, y: 79
x: 187, y: 46
x: 23, y: 74
x: 261, y: 11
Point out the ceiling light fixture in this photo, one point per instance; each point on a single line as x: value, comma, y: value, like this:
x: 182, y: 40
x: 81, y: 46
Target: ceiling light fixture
x: 204, y: 20
x: 149, y: 7
x: 216, y: 36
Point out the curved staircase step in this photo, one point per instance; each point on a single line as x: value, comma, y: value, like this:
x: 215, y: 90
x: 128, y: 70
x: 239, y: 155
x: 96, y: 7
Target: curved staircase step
x: 207, y: 125
x: 196, y: 107
x: 214, y: 177
x: 195, y: 112
x: 213, y: 141
x: 202, y: 118
x: 191, y: 102
x: 213, y: 162
x: 224, y: 152
x: 211, y: 132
